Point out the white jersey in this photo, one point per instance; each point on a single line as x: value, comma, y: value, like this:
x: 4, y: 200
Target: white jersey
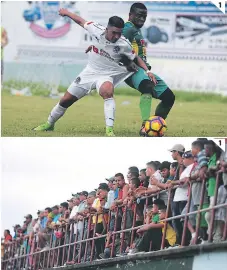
x: 105, y: 56
x: 103, y: 64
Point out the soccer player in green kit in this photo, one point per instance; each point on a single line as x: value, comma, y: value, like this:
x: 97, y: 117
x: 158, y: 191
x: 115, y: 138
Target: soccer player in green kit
x: 140, y: 79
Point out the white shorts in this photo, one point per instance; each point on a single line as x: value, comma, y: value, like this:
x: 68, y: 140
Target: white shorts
x: 85, y: 82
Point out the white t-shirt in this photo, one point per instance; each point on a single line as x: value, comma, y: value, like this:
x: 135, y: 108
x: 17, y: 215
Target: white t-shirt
x: 181, y: 193
x: 158, y: 176
x: 105, y: 56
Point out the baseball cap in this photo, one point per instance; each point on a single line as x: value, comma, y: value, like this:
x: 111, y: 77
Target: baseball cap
x: 28, y: 216
x: 111, y: 179
x: 92, y: 193
x: 187, y: 154
x: 55, y: 207
x: 75, y: 195
x: 85, y: 193
x: 178, y: 148
x: 103, y: 186
x: 165, y: 165
x: 70, y: 200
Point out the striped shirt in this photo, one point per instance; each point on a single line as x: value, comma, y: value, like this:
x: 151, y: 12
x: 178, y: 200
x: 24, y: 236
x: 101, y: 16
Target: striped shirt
x: 202, y: 159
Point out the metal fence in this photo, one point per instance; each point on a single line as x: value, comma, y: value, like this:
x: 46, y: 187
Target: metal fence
x: 66, y: 245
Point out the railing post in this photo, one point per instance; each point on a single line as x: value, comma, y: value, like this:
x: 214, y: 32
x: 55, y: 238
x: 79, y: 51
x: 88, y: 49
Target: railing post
x: 133, y: 224
x: 70, y: 240
x: 88, y: 233
x: 75, y: 242
x: 186, y: 216
x: 165, y: 224
x: 64, y: 243
x: 82, y: 237
x: 124, y: 225
x: 93, y: 241
x: 210, y: 236
x: 48, y: 257
x: 114, y: 235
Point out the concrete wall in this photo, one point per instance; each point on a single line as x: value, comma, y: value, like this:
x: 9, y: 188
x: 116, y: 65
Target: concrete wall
x: 207, y: 257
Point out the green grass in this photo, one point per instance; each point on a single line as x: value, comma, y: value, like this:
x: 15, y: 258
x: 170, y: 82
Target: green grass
x: 204, y: 117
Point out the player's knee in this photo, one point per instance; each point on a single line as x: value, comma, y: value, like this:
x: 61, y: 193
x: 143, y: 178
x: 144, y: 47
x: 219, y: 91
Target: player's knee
x: 147, y: 87
x: 106, y: 90
x: 67, y: 100
x: 168, y: 97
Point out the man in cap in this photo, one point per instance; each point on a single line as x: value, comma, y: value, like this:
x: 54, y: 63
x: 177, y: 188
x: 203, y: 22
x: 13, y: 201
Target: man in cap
x: 83, y: 204
x: 177, y: 152
x: 98, y: 206
x: 110, y: 196
x: 70, y: 202
x: 73, y: 227
x: 181, y: 194
x: 90, y: 199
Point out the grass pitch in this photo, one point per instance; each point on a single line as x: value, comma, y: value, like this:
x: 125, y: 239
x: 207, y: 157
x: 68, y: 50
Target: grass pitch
x: 188, y: 118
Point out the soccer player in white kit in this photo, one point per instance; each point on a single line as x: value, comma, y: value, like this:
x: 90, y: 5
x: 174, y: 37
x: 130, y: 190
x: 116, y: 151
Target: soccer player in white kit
x: 103, y: 71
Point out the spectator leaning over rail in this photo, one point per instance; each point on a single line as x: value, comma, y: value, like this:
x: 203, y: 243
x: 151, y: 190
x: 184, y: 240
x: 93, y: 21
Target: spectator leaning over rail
x: 99, y: 219
x: 213, y: 153
x: 111, y: 193
x: 220, y: 214
x: 181, y: 193
x: 152, y: 171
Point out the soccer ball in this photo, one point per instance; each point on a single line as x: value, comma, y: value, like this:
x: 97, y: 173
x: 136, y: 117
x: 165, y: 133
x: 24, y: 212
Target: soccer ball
x: 155, y: 126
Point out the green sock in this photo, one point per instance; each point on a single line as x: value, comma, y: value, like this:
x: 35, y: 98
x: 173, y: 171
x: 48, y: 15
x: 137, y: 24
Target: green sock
x: 145, y: 106
x: 162, y: 110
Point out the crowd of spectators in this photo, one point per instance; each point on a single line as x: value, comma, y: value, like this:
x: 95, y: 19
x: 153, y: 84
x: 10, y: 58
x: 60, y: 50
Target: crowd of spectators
x: 144, y: 199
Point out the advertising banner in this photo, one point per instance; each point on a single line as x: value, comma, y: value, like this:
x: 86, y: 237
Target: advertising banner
x: 201, y: 32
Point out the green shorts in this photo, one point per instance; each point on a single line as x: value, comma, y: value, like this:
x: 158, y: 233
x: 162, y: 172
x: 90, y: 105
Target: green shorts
x: 135, y: 80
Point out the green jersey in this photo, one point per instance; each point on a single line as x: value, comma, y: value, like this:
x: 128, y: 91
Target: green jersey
x: 134, y: 35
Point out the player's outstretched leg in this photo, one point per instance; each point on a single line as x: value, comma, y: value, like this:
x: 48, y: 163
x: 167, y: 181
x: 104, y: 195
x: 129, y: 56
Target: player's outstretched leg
x: 106, y: 91
x: 57, y: 112
x: 167, y: 100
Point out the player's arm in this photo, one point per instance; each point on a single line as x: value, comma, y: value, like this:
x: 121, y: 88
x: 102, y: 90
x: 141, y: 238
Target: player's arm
x: 77, y: 19
x: 139, y: 61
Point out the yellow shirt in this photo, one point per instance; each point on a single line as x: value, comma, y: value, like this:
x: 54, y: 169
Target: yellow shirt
x: 171, y: 236
x: 97, y: 205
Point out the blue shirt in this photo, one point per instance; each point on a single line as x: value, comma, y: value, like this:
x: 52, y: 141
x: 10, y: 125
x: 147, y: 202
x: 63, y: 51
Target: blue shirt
x: 55, y: 219
x: 116, y: 194
x: 43, y: 222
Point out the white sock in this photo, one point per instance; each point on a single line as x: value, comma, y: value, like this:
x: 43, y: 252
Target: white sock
x: 56, y: 113
x: 109, y: 111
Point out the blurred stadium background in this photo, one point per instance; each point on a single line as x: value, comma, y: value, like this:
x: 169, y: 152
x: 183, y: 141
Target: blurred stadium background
x: 186, y: 44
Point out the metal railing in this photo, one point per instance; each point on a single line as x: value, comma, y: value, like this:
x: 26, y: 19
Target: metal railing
x: 82, y: 245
